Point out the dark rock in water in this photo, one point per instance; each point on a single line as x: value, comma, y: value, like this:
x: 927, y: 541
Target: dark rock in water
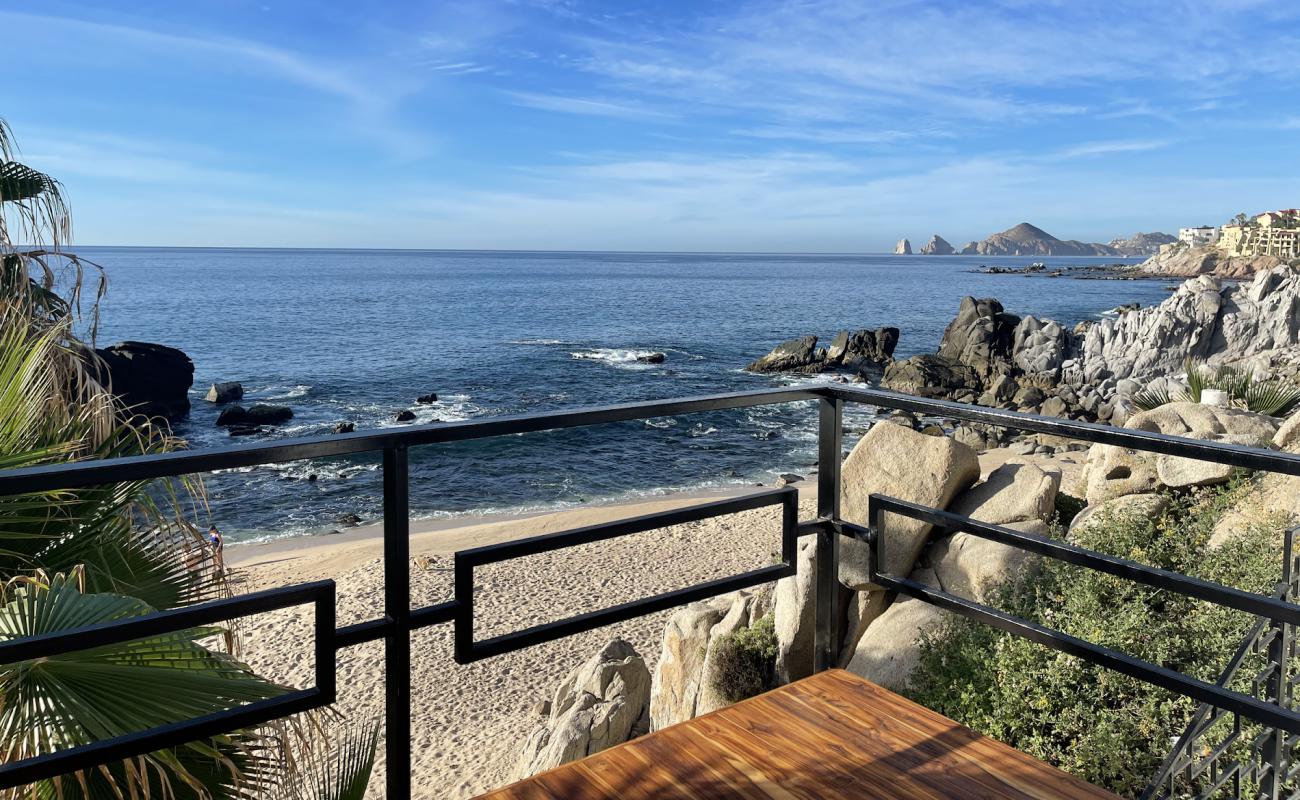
x: 349, y: 519
x: 652, y: 358
x: 150, y: 379
x: 256, y: 415
x: 312, y: 478
x: 244, y: 430
x: 862, y: 350
x: 795, y: 355
x: 345, y: 427
x: 225, y: 392
x: 431, y: 397
x: 405, y: 415
x: 787, y: 478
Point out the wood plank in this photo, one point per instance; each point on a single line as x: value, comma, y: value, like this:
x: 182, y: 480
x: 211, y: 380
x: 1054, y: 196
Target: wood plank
x: 832, y: 735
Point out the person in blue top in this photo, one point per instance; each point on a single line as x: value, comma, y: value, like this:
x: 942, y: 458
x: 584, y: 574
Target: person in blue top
x: 214, y: 538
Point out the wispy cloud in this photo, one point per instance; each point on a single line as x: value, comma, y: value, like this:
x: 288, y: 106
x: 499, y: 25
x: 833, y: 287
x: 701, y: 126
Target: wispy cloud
x: 585, y: 106
x: 1110, y: 148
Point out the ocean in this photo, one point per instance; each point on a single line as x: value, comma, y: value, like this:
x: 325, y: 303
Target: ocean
x: 357, y: 335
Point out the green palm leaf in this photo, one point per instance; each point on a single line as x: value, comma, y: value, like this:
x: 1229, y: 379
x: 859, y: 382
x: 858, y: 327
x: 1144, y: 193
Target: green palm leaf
x: 63, y: 701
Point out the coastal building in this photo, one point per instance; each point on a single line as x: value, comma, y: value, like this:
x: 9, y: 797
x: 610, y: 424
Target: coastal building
x: 1273, y: 233
x: 1199, y: 236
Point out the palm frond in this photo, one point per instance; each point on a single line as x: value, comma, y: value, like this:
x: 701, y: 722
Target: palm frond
x: 337, y: 770
x: 1277, y: 398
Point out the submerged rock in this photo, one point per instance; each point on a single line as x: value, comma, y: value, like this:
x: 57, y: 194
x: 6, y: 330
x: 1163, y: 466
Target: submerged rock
x: 258, y: 414
x: 431, y: 397
x: 652, y: 358
x: 405, y: 415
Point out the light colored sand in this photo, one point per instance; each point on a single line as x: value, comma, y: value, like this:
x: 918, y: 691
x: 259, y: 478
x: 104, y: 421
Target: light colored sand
x: 469, y: 721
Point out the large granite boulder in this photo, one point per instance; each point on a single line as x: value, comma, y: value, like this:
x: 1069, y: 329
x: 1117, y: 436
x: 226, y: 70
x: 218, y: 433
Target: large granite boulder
x: 1196, y: 421
x: 597, y: 706
x: 795, y: 355
x: 899, y: 462
x: 980, y: 336
x: 149, y: 379
x: 1014, y: 492
x: 862, y: 350
x: 929, y: 375
x: 973, y: 567
x: 746, y: 608
x: 863, y: 609
x: 890, y: 649
x: 681, y: 687
x: 225, y: 392
x: 1288, y: 434
x: 795, y: 616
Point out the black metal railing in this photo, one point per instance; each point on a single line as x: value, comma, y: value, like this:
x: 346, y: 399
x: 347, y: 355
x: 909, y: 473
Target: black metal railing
x: 398, y: 619
x: 1218, y: 754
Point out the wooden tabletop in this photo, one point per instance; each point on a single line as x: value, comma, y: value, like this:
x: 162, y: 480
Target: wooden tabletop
x: 831, y: 735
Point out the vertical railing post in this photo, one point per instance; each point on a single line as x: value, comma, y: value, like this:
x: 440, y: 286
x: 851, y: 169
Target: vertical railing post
x: 1279, y: 653
x: 830, y: 433
x: 397, y: 611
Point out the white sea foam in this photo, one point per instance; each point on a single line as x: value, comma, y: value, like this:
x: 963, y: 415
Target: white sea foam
x: 283, y: 392
x: 615, y: 357
x: 538, y: 341
x: 661, y: 422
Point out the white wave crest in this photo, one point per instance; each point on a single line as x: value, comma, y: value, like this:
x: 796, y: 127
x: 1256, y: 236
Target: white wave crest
x: 615, y: 357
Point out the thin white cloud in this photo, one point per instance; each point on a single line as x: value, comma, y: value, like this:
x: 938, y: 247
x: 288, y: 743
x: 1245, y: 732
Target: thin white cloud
x: 1111, y: 147
x: 585, y: 106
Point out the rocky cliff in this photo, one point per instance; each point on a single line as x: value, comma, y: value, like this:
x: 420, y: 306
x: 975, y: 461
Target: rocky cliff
x: 1183, y: 261
x: 903, y: 248
x: 1141, y: 244
x: 1028, y: 240
x: 937, y: 246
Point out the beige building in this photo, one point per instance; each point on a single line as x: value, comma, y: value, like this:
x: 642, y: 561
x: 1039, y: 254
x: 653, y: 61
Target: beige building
x: 1273, y: 233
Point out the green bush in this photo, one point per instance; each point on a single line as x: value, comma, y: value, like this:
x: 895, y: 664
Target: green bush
x: 1104, y: 727
x: 745, y: 661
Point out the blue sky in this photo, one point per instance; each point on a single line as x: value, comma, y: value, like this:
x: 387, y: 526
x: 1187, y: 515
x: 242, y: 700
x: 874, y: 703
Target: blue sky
x: 752, y: 126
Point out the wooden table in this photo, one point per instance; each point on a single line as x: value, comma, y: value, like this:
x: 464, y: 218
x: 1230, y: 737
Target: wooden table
x: 831, y: 735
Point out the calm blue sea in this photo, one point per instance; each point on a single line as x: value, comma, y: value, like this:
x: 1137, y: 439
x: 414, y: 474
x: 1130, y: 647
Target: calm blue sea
x: 359, y: 334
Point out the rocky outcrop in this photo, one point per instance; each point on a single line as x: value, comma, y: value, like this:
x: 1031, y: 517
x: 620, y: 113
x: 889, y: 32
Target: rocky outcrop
x: 1203, y: 319
x: 860, y: 351
x: 225, y: 392
x: 794, y: 355
x: 980, y: 336
x: 932, y: 376
x: 937, y: 246
x: 599, y: 704
x: 897, y: 461
x: 1027, y: 240
x: 682, y: 684
x: 903, y: 248
x: 149, y: 379
x: 1112, y: 471
x: 1141, y: 244
x: 256, y: 415
x: 1184, y: 261
x: 1039, y: 346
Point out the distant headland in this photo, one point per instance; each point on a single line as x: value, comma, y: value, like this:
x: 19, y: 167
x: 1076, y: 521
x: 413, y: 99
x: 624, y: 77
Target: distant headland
x: 1029, y: 240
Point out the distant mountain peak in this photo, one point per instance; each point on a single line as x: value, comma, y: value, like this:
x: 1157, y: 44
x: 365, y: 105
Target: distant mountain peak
x: 1024, y: 232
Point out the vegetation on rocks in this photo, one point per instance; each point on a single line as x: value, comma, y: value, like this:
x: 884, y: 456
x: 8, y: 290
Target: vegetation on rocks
x: 746, y: 661
x: 1275, y: 397
x: 1106, y: 728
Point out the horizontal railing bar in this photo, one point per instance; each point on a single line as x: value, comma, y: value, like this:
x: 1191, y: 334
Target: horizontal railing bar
x: 86, y: 756
x: 360, y: 633
x: 77, y: 474
x: 539, y: 634
x: 1245, y: 705
x: 1165, y: 444
x: 545, y: 543
x: 59, y: 643
x: 1258, y: 604
x: 433, y: 615
x: 809, y: 527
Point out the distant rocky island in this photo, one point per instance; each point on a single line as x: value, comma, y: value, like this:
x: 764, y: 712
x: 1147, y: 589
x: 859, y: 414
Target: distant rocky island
x: 1029, y: 240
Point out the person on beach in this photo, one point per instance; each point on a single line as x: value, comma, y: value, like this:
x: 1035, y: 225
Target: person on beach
x: 214, y: 538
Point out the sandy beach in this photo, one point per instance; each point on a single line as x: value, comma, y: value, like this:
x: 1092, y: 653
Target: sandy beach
x: 469, y: 722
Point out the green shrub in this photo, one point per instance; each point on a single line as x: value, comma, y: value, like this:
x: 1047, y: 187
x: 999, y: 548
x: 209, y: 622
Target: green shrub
x: 745, y: 661
x: 1275, y: 397
x: 1104, y: 727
